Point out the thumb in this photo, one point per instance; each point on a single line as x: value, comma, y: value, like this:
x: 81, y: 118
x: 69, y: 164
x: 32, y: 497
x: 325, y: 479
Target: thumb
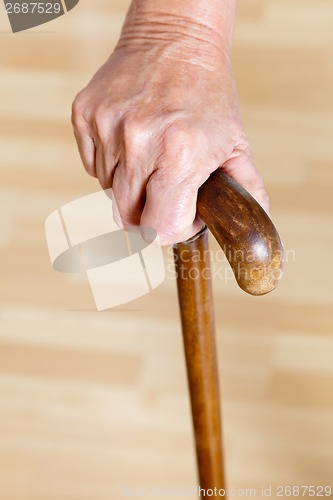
x: 171, y: 210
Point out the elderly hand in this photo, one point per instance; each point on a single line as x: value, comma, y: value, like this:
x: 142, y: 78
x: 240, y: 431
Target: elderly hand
x: 160, y: 116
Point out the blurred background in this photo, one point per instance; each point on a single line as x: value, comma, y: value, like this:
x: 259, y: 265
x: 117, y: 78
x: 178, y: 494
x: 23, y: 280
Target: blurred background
x: 92, y: 403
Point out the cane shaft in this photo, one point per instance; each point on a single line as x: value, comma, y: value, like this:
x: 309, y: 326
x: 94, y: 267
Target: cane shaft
x: 197, y: 316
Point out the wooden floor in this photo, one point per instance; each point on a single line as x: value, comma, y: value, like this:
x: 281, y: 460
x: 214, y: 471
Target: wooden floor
x: 92, y: 403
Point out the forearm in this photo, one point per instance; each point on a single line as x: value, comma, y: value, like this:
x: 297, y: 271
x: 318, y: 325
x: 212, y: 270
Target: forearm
x: 205, y: 28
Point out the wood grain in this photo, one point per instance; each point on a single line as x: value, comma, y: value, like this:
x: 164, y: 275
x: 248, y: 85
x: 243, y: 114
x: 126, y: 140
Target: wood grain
x: 244, y: 232
x: 198, y: 326
x: 69, y: 431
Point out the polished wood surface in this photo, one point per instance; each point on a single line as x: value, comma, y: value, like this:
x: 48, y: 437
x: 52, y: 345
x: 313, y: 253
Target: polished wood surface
x: 254, y: 251
x: 245, y: 233
x: 194, y: 286
x: 91, y: 402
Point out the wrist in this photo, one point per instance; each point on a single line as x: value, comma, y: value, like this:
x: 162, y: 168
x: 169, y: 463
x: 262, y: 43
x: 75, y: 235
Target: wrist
x: 194, y: 29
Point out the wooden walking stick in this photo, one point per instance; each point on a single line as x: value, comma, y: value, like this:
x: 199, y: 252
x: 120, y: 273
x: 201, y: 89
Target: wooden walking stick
x: 254, y: 250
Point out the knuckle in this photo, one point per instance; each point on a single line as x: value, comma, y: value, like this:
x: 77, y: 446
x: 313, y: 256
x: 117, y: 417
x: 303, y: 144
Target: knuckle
x: 102, y: 121
x: 101, y: 114
x: 88, y: 164
x: 176, y: 170
x: 91, y: 171
x: 134, y: 132
x: 77, y: 110
x: 178, y: 134
x: 180, y: 144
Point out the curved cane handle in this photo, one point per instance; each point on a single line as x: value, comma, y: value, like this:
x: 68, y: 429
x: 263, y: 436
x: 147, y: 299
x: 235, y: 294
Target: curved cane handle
x: 244, y: 231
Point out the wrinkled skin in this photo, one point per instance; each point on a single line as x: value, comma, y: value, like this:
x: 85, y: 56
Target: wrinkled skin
x: 155, y: 121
